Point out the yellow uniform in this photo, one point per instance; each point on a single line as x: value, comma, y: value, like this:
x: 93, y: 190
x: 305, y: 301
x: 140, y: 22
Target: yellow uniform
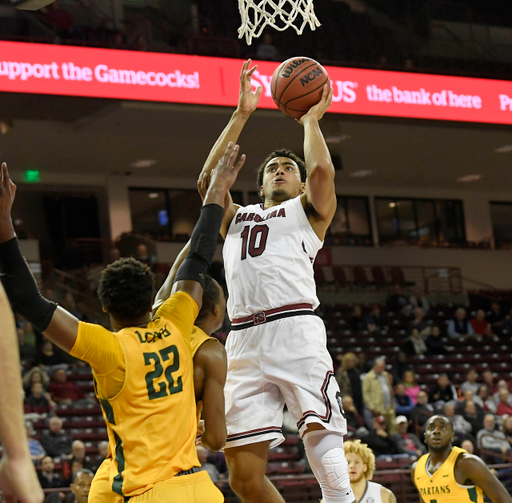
x: 196, y: 487
x: 441, y: 487
x: 144, y: 381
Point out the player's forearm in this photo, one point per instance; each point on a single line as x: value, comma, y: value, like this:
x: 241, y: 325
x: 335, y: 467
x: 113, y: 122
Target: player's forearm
x: 316, y: 153
x: 165, y: 291
x: 12, y: 430
x: 230, y: 134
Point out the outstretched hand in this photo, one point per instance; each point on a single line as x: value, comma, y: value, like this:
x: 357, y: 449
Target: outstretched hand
x: 7, y: 193
x: 248, y: 99
x: 317, y: 111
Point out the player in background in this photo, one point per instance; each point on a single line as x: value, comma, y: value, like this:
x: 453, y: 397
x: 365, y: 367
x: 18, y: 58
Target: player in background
x: 18, y: 479
x: 277, y: 347
x: 143, y: 370
x: 449, y: 474
x: 361, y: 465
x: 209, y: 356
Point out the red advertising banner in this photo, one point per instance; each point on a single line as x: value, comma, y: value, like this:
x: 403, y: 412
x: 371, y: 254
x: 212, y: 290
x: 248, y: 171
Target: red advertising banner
x: 104, y: 73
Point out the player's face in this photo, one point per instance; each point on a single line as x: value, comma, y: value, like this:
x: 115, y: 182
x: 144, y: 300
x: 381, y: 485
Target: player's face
x: 356, y: 467
x: 438, y: 433
x: 81, y: 487
x: 281, y: 180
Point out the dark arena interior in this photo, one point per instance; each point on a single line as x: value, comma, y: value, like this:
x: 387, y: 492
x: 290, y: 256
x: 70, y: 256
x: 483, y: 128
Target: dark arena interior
x: 108, y: 111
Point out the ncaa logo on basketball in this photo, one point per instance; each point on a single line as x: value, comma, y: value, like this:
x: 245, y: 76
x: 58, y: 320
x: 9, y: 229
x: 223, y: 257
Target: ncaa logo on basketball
x: 312, y: 75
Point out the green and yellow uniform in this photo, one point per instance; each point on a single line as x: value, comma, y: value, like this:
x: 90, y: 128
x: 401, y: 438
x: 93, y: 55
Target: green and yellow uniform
x: 144, y: 381
x: 441, y: 487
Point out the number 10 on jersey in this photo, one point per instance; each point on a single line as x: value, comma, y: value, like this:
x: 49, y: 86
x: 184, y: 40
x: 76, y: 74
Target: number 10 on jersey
x: 254, y: 240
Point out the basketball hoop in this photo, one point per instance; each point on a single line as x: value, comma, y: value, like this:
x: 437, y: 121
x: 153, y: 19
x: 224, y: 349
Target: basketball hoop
x: 279, y: 14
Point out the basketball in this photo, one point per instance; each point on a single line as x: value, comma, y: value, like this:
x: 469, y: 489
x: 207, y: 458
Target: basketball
x: 297, y: 85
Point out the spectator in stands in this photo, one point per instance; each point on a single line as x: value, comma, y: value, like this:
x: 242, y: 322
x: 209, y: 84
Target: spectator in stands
x: 81, y: 485
x: 491, y: 439
x: 49, y: 479
x: 34, y: 375
x: 412, y: 388
x: 468, y: 445
x: 403, y: 402
x: 414, y: 344
x: 38, y: 402
x: 468, y: 396
x: 422, y: 410
x: 474, y: 416
x: 506, y: 428
x: 266, y: 50
x: 55, y: 441
x: 488, y: 379
x: 61, y: 23
x: 505, y: 329
x: 102, y: 453
x: 354, y: 419
x: 202, y: 454
x: 436, y: 344
x: 378, y: 394
x: 443, y: 391
x: 74, y: 468
x: 397, y: 302
x: 349, y: 380
x: 141, y: 44
x: 78, y: 454
x: 37, y: 453
x: 504, y: 408
x: 68, y: 303
x: 407, y: 443
x: 480, y: 325
x: 356, y: 322
x: 375, y: 320
x: 400, y: 366
x: 459, y: 327
x: 484, y: 399
x: 62, y: 390
x: 379, y: 440
x: 49, y: 355
x: 461, y: 427
x: 502, y: 384
x: 419, y: 322
x: 419, y: 300
x: 470, y: 382
x: 495, y: 317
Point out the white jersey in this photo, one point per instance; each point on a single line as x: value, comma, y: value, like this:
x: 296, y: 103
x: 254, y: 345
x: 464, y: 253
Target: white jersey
x: 372, y: 494
x: 268, y: 258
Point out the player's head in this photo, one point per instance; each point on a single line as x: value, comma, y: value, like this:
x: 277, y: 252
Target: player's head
x: 214, y: 304
x: 281, y: 176
x: 360, y: 459
x: 81, y: 485
x: 126, y: 289
x: 438, y: 433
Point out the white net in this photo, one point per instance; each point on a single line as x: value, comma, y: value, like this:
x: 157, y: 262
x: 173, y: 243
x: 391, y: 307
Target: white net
x: 278, y: 14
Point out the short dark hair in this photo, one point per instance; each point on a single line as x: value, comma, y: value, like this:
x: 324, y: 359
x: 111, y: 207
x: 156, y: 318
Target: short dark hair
x: 211, y: 297
x: 85, y: 471
x: 126, y: 289
x: 281, y: 152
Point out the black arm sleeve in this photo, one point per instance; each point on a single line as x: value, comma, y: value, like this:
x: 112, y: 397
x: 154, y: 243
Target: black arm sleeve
x: 21, y: 287
x: 203, y: 244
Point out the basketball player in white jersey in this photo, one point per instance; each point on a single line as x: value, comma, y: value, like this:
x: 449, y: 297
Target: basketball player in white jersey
x: 277, y: 348
x: 361, y: 465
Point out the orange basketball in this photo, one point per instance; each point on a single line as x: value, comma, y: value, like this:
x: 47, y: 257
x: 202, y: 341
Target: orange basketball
x: 297, y: 85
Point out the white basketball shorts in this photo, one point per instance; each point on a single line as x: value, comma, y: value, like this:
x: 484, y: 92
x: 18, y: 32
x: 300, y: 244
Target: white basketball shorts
x: 282, y: 361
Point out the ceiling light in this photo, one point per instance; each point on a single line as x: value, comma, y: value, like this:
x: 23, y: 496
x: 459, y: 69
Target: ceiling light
x: 153, y: 195
x: 469, y: 178
x: 392, y: 205
x: 337, y: 139
x: 503, y: 150
x: 143, y: 163
x: 361, y: 172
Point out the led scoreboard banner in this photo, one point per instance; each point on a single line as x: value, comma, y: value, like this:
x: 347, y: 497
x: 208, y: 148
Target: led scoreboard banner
x: 130, y: 75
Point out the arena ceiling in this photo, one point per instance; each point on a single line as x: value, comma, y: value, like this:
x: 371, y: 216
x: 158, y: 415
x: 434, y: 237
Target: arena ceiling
x: 96, y: 136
